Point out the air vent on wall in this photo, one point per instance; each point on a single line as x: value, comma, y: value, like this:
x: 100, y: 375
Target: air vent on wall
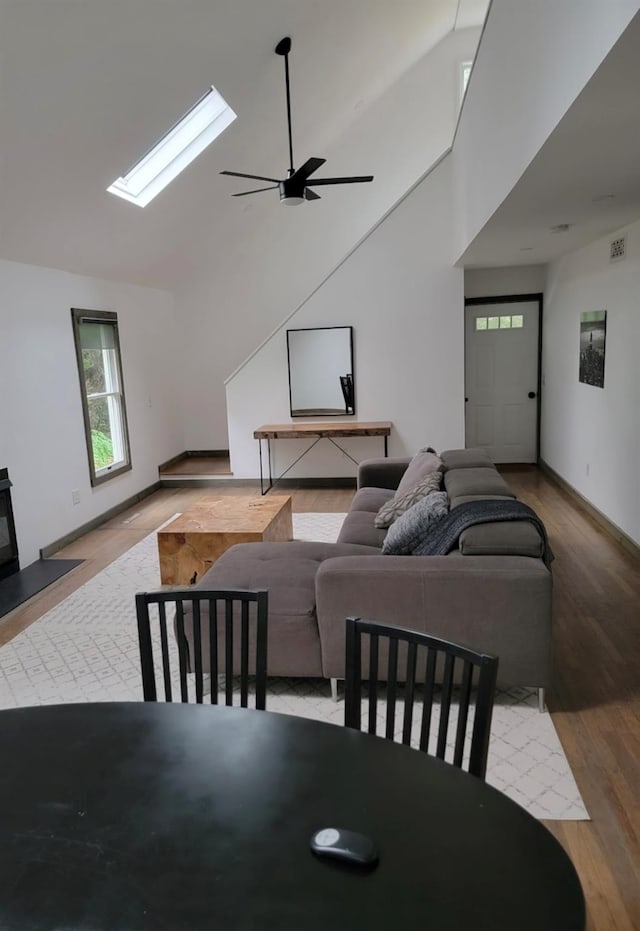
x: 618, y: 249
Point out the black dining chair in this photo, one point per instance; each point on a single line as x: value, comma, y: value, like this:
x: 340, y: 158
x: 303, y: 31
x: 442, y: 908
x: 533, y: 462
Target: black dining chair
x: 221, y: 633
x: 435, y: 669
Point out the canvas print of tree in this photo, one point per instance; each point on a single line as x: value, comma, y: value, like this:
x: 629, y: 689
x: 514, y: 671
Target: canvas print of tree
x: 593, y: 332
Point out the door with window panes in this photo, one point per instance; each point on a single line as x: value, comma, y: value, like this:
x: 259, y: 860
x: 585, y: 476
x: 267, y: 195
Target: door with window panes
x: 502, y: 379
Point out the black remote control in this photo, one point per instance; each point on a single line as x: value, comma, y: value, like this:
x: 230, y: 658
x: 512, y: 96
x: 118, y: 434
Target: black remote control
x: 341, y: 844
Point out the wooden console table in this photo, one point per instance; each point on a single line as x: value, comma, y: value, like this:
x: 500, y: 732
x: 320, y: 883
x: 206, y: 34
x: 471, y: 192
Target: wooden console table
x: 317, y: 432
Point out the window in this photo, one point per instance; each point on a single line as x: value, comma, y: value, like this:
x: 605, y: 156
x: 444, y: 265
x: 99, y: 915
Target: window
x: 506, y: 322
x: 203, y: 123
x: 102, y: 389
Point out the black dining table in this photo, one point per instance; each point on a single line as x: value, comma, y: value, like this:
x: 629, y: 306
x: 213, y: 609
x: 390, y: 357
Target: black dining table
x: 127, y: 816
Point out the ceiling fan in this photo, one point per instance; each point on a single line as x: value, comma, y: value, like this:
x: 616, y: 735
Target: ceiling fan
x: 296, y: 187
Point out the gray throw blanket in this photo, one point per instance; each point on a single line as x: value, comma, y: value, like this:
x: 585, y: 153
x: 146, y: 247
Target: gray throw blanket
x: 443, y: 535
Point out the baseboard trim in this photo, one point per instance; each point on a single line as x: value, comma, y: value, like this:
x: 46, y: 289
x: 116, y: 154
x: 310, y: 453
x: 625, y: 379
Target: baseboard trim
x: 584, y: 504
x: 207, y: 453
x: 194, y: 454
x: 52, y: 548
x: 183, y: 481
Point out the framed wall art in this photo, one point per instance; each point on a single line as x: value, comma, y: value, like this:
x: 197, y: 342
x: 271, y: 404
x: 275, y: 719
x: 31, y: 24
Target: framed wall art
x: 593, y: 332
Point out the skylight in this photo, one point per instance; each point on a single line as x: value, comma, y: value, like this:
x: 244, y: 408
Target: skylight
x: 209, y: 117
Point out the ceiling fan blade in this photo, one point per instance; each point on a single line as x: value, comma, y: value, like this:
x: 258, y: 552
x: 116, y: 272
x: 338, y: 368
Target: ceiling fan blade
x: 303, y: 172
x: 355, y: 179
x: 311, y: 195
x: 239, y: 174
x: 257, y: 191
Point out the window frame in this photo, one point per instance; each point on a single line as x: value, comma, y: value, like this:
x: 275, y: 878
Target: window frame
x: 79, y: 316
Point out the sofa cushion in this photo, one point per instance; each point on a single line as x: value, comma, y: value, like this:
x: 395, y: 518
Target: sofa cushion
x: 402, y: 501
x: 408, y: 530
x: 480, y: 481
x: 371, y: 499
x: 502, y: 538
x: 359, y: 528
x: 288, y: 572
x: 423, y: 463
x: 473, y: 458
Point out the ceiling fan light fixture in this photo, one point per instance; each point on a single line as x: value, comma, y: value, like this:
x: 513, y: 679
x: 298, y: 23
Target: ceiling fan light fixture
x: 291, y: 200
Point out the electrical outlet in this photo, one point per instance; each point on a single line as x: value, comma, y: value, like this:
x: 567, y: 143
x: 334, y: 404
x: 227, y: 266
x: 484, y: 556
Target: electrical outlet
x: 587, y: 467
x: 75, y: 496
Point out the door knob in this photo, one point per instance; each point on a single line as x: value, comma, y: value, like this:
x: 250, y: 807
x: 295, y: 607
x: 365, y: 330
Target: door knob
x: 531, y: 394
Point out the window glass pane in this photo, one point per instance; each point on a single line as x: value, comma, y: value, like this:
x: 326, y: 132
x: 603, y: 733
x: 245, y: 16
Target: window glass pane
x: 517, y: 321
x: 505, y: 323
x: 493, y: 323
x: 481, y: 323
x: 101, y: 433
x: 93, y: 370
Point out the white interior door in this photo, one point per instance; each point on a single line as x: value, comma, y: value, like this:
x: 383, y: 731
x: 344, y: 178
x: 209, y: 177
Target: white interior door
x: 501, y: 379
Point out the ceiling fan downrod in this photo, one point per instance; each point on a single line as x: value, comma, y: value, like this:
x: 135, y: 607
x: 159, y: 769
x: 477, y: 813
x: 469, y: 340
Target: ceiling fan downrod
x: 283, y: 48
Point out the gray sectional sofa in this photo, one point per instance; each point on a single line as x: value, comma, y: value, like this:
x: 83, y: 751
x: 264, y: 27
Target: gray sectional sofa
x: 492, y: 592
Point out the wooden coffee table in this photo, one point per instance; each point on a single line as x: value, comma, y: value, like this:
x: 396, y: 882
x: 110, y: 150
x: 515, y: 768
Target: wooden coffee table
x: 191, y: 543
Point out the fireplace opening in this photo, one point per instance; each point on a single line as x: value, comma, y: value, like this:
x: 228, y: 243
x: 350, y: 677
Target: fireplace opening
x: 8, y: 543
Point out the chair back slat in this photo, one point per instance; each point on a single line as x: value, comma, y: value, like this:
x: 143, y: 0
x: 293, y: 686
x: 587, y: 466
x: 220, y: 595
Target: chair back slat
x: 463, y: 712
x: 392, y: 684
x: 448, y: 670
x: 410, y: 685
x: 197, y: 642
x: 182, y: 651
x: 164, y: 649
x: 207, y: 629
x: 373, y: 684
x: 244, y: 654
x: 445, y: 705
x: 228, y: 666
x: 427, y: 706
x: 213, y: 649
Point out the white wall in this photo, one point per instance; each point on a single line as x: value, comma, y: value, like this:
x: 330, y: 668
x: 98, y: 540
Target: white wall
x: 42, y: 440
x: 584, y: 427
x: 514, y: 279
x: 274, y: 258
x: 405, y: 301
x: 533, y: 60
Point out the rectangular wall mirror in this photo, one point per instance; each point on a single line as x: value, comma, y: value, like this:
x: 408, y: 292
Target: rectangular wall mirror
x: 321, y: 372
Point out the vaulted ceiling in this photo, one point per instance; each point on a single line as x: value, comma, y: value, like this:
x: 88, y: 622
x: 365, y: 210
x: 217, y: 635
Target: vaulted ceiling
x: 87, y: 86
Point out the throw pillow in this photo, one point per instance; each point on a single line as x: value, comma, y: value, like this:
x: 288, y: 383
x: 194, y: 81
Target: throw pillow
x: 412, y: 526
x: 423, y: 463
x: 401, y: 502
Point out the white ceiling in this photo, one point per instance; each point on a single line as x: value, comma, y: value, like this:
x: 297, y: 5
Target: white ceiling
x: 87, y: 86
x: 593, y: 152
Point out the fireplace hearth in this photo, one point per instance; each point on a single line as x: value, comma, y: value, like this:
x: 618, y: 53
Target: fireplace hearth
x: 18, y: 585
x: 9, y: 563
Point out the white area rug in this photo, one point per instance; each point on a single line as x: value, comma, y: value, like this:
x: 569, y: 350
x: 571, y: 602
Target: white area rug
x: 86, y: 649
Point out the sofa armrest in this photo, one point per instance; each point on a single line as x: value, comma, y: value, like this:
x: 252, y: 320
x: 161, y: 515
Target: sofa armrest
x: 382, y: 473
x: 500, y: 604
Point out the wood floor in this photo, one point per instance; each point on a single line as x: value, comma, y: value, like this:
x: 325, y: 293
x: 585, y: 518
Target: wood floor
x: 595, y: 701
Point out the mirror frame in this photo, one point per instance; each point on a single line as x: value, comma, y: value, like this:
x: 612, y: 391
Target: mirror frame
x: 344, y: 413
